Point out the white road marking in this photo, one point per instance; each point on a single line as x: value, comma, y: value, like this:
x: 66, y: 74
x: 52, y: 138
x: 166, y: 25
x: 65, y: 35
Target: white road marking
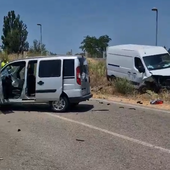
x: 113, y: 134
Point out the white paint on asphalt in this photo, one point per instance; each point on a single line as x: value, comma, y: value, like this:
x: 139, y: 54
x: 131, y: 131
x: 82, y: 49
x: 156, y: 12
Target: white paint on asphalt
x: 112, y: 133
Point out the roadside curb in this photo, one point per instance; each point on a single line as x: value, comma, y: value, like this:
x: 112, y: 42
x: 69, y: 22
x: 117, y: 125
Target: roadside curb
x: 130, y: 105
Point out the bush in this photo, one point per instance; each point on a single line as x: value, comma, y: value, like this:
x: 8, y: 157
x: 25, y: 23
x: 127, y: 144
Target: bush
x: 123, y: 86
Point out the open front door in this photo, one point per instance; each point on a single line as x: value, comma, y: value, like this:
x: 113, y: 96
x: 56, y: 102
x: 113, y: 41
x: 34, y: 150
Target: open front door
x: 49, y: 80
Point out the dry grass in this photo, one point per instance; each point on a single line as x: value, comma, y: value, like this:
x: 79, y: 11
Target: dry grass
x: 12, y: 57
x: 99, y: 83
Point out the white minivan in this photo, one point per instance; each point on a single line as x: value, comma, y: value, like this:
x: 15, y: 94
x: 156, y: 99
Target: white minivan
x: 61, y: 81
x: 143, y: 65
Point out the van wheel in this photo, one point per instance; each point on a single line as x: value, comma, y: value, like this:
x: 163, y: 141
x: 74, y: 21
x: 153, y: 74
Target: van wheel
x: 61, y: 105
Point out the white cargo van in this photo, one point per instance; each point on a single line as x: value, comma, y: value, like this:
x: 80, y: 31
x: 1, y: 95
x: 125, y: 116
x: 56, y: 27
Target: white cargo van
x: 141, y: 64
x: 62, y: 81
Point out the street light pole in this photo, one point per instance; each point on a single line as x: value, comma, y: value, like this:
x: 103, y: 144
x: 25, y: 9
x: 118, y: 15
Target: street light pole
x: 40, y: 25
x: 156, y: 10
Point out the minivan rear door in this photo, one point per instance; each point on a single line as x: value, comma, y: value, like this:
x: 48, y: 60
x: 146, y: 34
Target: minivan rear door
x: 49, y: 79
x: 85, y: 79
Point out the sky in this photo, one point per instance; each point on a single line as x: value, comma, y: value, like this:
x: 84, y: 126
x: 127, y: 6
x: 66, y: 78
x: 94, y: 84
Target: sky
x: 66, y: 22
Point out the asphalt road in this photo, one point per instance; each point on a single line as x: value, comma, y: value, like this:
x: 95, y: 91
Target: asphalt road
x: 94, y: 136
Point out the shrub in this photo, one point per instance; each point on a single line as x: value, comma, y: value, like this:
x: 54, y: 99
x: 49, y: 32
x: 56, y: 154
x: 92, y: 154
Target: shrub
x: 123, y: 86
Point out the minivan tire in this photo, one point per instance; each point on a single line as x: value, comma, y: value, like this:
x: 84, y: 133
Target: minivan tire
x: 61, y: 105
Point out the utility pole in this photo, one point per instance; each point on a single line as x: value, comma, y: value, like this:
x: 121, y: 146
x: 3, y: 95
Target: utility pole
x: 40, y: 25
x: 156, y: 10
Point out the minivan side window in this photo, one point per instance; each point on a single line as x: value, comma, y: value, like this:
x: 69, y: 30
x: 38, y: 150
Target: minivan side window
x: 68, y: 67
x: 138, y: 63
x: 50, y: 68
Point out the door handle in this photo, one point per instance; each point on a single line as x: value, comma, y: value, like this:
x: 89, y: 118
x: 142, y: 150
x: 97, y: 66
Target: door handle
x: 40, y: 83
x: 134, y: 73
x: 128, y: 72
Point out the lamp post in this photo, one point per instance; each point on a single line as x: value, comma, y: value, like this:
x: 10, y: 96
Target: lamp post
x: 40, y: 25
x: 156, y: 10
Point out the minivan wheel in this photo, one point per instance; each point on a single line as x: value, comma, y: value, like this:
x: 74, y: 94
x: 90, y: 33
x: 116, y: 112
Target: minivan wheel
x: 61, y: 105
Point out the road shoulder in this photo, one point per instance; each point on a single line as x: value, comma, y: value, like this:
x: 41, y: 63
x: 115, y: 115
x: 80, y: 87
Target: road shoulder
x: 133, y: 103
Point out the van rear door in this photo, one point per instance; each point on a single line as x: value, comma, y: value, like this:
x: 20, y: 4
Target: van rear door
x: 49, y: 80
x: 85, y: 79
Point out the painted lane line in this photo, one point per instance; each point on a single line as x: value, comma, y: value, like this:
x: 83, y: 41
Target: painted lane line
x: 112, y: 133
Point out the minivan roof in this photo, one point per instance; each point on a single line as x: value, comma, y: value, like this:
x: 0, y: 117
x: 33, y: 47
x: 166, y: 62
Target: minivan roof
x: 50, y: 57
x: 143, y: 50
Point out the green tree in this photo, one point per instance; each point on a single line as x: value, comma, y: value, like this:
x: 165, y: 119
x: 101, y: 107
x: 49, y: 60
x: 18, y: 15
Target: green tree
x: 14, y: 38
x: 95, y: 46
x: 36, y: 48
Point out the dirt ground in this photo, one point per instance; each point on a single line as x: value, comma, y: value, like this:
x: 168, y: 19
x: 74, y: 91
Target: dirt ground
x: 141, y: 100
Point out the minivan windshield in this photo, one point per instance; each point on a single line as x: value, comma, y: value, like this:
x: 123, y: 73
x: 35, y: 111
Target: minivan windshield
x: 156, y: 62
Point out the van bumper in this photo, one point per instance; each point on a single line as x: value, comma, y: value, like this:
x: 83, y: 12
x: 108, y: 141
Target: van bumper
x: 80, y: 99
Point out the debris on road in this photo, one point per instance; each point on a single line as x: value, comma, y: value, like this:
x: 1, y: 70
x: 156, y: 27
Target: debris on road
x: 19, y: 130
x: 132, y: 108
x: 80, y: 140
x: 139, y: 102
x: 100, y: 110
x: 121, y: 107
x: 1, y: 159
x: 108, y: 104
x: 158, y: 101
x: 101, y: 102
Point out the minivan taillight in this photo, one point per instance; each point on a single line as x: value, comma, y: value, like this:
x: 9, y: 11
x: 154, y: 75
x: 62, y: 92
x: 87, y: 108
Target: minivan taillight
x: 78, y: 76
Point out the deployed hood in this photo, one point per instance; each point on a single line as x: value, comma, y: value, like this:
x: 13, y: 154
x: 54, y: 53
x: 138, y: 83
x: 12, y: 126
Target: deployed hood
x: 161, y: 72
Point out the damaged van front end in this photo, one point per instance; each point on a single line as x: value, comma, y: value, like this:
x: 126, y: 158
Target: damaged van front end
x: 161, y: 81
x: 155, y: 83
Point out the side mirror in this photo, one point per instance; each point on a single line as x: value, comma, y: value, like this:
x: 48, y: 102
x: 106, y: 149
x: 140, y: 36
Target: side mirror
x: 141, y: 69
